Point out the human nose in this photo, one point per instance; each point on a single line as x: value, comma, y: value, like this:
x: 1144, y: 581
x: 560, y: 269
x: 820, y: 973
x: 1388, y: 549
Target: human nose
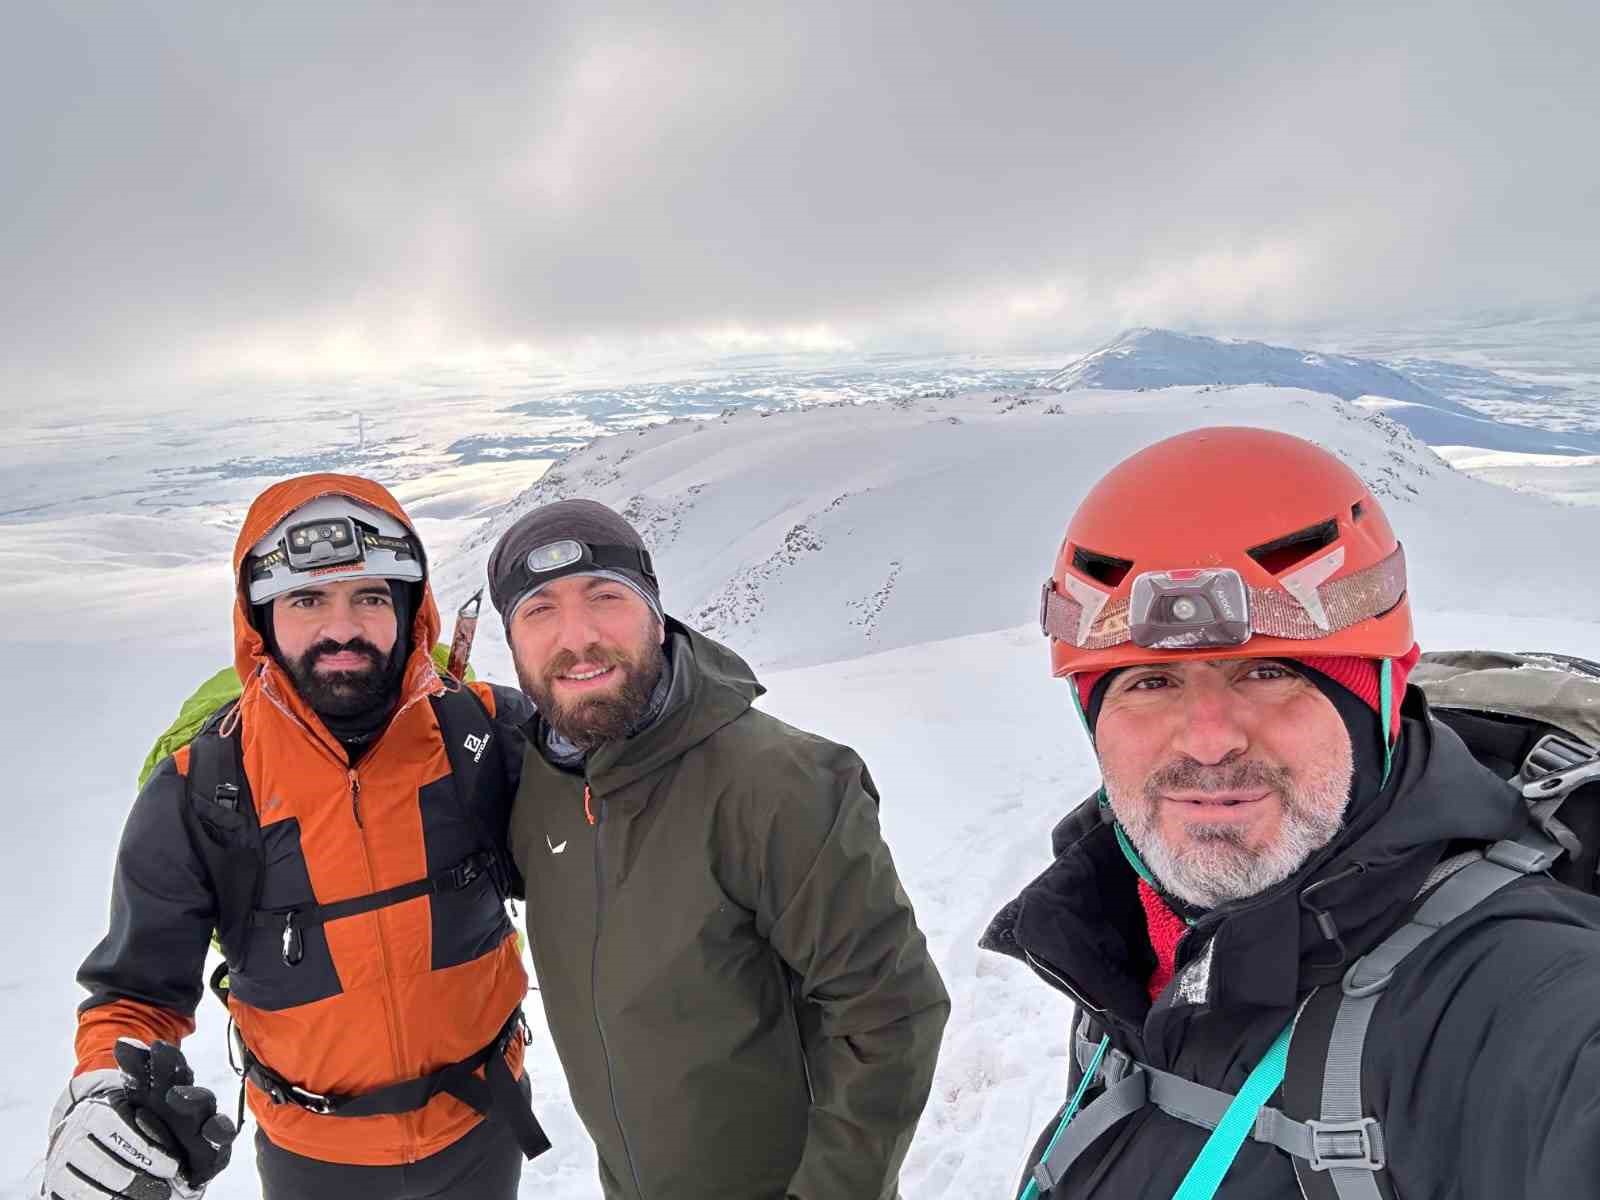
x: 575, y: 628
x: 341, y: 624
x: 1211, y: 729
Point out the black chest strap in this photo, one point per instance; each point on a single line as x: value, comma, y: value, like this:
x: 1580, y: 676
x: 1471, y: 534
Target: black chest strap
x: 292, y: 922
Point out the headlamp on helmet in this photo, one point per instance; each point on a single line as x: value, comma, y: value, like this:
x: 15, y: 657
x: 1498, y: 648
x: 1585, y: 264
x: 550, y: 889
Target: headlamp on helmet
x: 1221, y: 543
x: 1185, y: 610
x: 318, y: 543
x: 331, y: 534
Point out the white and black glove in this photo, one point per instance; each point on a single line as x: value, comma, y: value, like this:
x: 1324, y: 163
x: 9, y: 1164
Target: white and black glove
x: 143, y: 1132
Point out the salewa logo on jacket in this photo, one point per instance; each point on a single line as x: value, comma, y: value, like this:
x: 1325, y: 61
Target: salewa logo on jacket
x: 554, y: 849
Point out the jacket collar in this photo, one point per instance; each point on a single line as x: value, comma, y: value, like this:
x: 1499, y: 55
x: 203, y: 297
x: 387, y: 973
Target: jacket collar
x: 1080, y: 925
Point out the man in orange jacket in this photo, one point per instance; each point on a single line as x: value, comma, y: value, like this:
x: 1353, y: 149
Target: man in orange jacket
x: 342, y: 828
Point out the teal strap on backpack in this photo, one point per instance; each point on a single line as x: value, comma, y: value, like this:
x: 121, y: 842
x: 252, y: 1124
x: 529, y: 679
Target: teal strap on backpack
x: 1386, y: 711
x: 1032, y: 1190
x: 1222, y: 1147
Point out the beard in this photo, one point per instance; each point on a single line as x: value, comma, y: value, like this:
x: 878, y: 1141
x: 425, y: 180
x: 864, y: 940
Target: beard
x: 589, y: 721
x: 1217, y: 863
x: 353, y: 693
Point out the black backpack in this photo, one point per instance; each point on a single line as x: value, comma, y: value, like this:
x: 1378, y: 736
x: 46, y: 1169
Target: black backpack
x: 1533, y: 719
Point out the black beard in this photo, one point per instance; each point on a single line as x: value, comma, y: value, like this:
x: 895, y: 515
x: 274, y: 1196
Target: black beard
x: 589, y: 723
x: 344, y: 694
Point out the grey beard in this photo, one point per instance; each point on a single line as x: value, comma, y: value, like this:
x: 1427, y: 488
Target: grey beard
x: 1217, y: 866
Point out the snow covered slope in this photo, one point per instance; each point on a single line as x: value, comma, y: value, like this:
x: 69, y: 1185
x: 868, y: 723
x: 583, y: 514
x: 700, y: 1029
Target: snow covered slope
x: 881, y: 566
x: 1160, y: 358
x: 806, y: 537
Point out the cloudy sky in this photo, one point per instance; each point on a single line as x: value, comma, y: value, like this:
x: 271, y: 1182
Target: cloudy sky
x: 196, y: 187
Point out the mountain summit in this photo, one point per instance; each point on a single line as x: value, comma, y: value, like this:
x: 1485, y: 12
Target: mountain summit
x: 1157, y: 358
x: 1145, y: 358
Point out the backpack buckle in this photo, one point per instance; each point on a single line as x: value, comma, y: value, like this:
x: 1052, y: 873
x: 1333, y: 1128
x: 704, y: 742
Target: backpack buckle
x: 1557, y: 765
x: 1352, y: 1145
x: 1116, y: 1067
x: 313, y: 1102
x: 464, y: 872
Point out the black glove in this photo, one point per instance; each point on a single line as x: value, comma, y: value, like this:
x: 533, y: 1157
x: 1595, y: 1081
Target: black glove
x: 161, y: 1101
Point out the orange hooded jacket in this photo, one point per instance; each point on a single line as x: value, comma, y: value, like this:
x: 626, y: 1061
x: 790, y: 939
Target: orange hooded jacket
x: 378, y: 998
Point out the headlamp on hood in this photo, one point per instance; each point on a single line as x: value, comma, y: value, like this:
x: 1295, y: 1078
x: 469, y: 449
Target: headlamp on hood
x: 334, y: 536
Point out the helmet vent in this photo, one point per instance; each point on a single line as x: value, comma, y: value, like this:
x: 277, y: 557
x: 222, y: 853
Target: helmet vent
x: 1357, y: 511
x: 1280, y: 554
x: 1106, y: 568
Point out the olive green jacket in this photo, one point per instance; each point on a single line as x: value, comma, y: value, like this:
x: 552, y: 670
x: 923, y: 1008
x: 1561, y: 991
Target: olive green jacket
x: 733, y: 976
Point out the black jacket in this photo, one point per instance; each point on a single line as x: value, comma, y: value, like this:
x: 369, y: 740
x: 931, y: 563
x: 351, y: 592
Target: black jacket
x: 1483, y: 1063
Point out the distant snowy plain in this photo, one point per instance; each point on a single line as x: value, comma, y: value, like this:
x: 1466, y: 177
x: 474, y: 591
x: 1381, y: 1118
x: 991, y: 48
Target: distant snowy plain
x: 878, y: 563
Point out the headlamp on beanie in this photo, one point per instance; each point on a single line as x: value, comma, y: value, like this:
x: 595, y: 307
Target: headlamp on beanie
x: 569, y: 556
x: 569, y: 537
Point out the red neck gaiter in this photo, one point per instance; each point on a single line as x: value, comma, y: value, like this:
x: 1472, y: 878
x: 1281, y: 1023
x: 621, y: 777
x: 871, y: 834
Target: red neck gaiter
x: 1166, y: 929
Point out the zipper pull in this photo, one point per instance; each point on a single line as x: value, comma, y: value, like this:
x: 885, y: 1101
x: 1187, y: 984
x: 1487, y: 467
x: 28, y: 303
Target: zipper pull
x: 355, y: 797
x: 293, y: 946
x: 587, y: 811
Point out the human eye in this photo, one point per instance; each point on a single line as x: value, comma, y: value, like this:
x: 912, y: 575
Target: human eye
x: 1147, y: 683
x: 1268, y: 671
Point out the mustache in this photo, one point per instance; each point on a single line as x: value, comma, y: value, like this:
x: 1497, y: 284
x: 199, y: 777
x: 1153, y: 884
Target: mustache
x: 565, y: 660
x: 1187, y: 775
x: 328, y: 647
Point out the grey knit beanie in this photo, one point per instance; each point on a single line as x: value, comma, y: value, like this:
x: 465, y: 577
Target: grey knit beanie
x: 604, y: 545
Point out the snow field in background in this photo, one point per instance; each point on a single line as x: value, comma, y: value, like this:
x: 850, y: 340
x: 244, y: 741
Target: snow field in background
x: 901, y: 626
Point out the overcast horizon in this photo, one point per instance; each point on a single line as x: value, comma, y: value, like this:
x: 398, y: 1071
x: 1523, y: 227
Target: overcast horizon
x: 293, y: 190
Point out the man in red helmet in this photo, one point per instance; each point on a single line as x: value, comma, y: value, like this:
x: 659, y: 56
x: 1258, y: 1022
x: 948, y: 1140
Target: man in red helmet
x: 1310, y: 939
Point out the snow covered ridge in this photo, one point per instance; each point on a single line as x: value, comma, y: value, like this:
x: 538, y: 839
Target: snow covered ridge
x: 813, y: 536
x: 1159, y: 358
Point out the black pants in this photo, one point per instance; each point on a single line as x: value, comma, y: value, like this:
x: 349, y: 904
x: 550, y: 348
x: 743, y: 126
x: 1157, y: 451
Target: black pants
x: 484, y: 1165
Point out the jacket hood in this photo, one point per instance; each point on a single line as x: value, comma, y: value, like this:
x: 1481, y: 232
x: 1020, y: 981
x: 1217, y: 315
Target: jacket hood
x: 250, y: 655
x: 1081, y: 926
x: 711, y: 687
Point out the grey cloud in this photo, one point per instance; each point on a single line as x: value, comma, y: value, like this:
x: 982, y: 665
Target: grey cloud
x: 190, y: 175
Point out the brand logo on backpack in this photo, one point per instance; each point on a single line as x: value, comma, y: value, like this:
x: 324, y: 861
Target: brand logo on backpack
x: 476, y: 745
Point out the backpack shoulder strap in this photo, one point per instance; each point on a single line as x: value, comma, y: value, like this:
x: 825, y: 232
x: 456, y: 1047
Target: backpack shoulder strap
x: 216, y: 763
x: 477, y: 770
x: 1350, y: 1154
x: 468, y: 732
x: 227, y: 831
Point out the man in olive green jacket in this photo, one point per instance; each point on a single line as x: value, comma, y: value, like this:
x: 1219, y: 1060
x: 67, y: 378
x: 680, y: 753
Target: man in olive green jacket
x: 735, y: 981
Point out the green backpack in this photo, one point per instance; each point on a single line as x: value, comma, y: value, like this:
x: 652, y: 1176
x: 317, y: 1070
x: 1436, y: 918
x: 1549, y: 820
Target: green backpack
x: 222, y: 688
